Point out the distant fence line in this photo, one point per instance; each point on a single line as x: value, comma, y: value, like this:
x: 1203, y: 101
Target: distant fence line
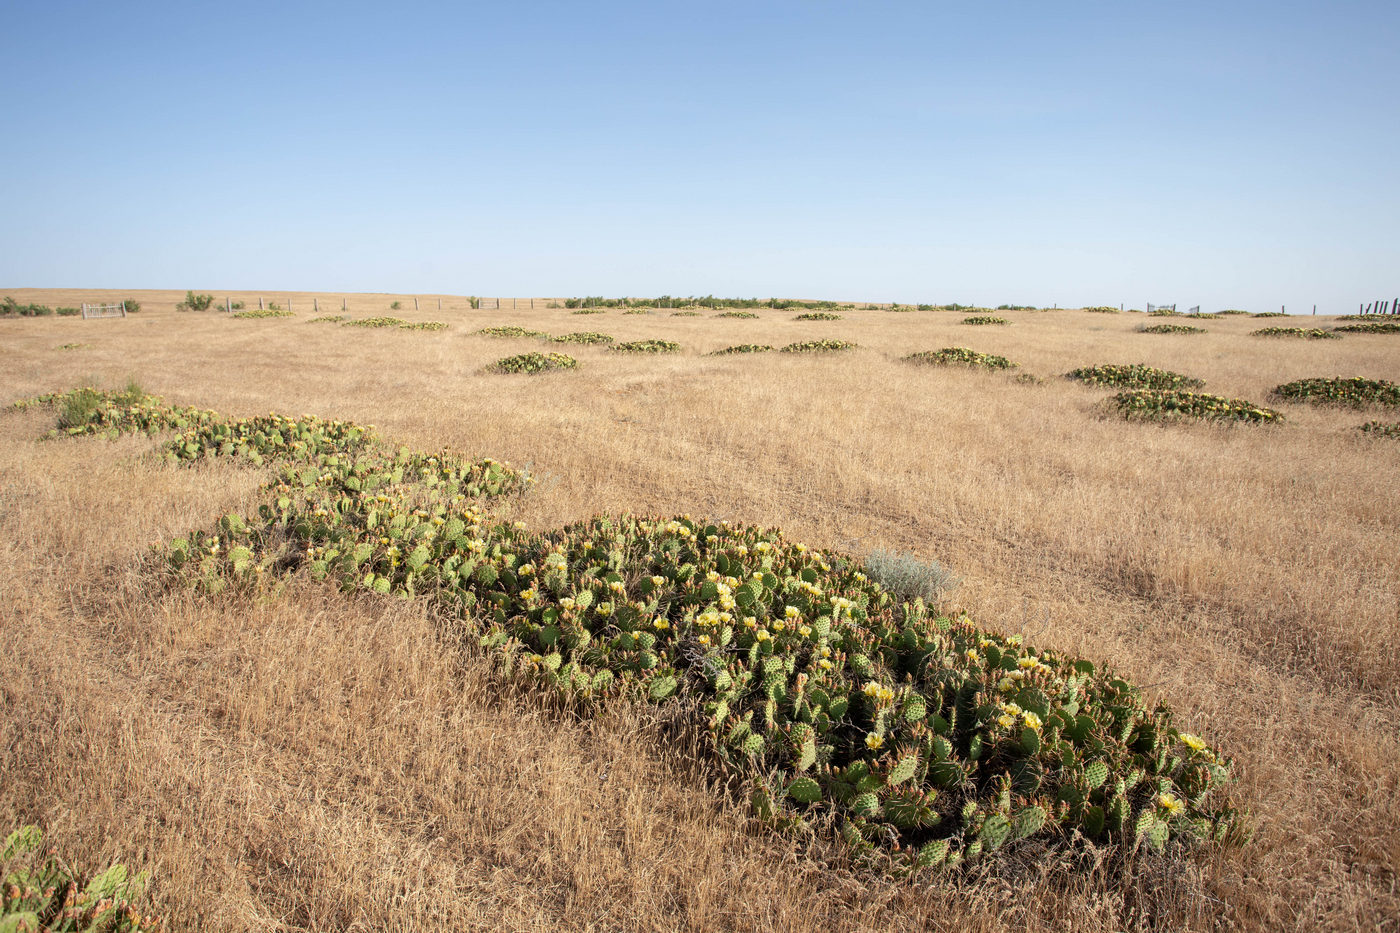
x: 95, y: 311
x: 1381, y: 307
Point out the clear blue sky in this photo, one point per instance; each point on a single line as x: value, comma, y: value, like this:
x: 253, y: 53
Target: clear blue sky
x: 1224, y: 154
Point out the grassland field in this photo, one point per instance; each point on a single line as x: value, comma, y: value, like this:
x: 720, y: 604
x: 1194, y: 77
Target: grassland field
x: 323, y: 761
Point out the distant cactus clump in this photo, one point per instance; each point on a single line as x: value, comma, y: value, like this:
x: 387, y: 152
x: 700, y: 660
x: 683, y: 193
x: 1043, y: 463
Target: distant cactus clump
x: 1355, y: 391
x: 531, y: 363
x: 1303, y: 333
x: 1133, y: 376
x: 960, y: 356
x: 1171, y: 329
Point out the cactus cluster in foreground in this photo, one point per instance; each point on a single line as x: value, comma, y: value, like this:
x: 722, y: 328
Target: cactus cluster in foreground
x: 1133, y: 376
x: 1173, y: 404
x: 926, y: 739
x: 1355, y: 391
x: 960, y: 356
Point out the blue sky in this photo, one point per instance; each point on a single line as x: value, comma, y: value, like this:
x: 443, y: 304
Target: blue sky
x: 1224, y: 154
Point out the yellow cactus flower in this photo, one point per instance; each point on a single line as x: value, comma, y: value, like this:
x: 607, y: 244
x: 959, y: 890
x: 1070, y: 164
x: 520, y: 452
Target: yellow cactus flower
x: 1032, y: 720
x: 873, y: 741
x: 1005, y: 721
x: 1170, y: 805
x: 792, y: 612
x: 658, y: 580
x: 1192, y: 742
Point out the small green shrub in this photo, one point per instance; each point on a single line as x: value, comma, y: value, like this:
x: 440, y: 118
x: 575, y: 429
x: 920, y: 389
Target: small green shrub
x: 1133, y: 376
x: 646, y: 346
x: 744, y: 348
x: 377, y: 322
x: 1172, y: 404
x: 534, y: 363
x: 814, y: 316
x: 907, y: 578
x: 132, y: 306
x: 11, y: 308
x: 39, y: 893
x: 1372, y: 327
x: 1382, y: 429
x: 511, y: 330
x: 585, y: 336
x: 233, y: 306
x: 67, y: 312
x: 195, y: 302
x: 80, y: 408
x: 271, y: 311
x: 751, y: 315
x: 1171, y: 329
x: 960, y: 356
x: 1304, y: 333
x: 1354, y: 391
x: 985, y: 319
x: 819, y: 346
x: 273, y: 306
x: 396, y: 306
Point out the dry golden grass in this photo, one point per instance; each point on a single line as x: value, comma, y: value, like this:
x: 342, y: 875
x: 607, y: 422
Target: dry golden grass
x: 319, y: 762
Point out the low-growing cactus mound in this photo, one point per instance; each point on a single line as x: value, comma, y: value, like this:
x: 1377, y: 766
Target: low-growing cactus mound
x: 690, y: 314
x: 819, y: 346
x: 647, y: 346
x: 377, y: 322
x: 1133, y: 376
x: 1164, y: 312
x: 261, y: 313
x: 39, y: 893
x: 1354, y: 391
x: 533, y: 363
x: 426, y: 325
x: 985, y: 319
x: 589, y: 311
x: 511, y: 330
x: 1103, y: 309
x: 1231, y: 311
x: 747, y: 315
x: 637, y: 311
x: 328, y: 319
x: 921, y: 737
x: 1170, y: 329
x: 1174, y: 404
x: 585, y: 336
x: 1302, y: 333
x: 816, y: 316
x: 1372, y: 327
x: 74, y: 346
x: 744, y: 348
x: 960, y: 356
x: 1269, y: 314
x: 1382, y: 429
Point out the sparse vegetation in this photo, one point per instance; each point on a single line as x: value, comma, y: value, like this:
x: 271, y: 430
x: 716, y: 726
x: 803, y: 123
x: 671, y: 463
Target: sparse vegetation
x: 1389, y: 429
x: 590, y: 311
x: 1355, y: 391
x: 194, y: 302
x: 960, y: 356
x: 1269, y: 314
x: 817, y: 316
x: 328, y: 319
x: 748, y: 315
x: 1175, y: 404
x: 1103, y: 309
x: 1133, y: 376
x: 907, y: 578
x: 985, y: 319
x: 534, y: 363
x: 1231, y: 311
x: 396, y: 306
x: 11, y: 308
x: 377, y: 322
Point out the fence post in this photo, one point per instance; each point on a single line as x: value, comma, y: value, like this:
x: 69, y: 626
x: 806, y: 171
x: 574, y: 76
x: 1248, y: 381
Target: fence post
x: 439, y: 304
x: 260, y: 307
x: 315, y: 305
x: 342, y: 304
x: 228, y: 304
x: 289, y: 304
x: 123, y: 308
x: 415, y: 302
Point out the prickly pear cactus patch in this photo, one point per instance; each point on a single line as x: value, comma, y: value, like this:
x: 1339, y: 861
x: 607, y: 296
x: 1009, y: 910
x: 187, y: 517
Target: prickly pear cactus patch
x: 1389, y: 429
x: 511, y: 330
x: 746, y: 315
x: 985, y: 319
x: 328, y: 319
x: 927, y: 740
x: 743, y: 348
x: 1171, y: 329
x: 39, y: 893
x: 533, y: 363
x: 820, y: 346
x: 1133, y: 376
x: 584, y: 337
x: 1372, y: 327
x: 646, y: 346
x: 1302, y: 333
x: 261, y: 313
x: 377, y: 322
x: 959, y: 356
x: 1355, y: 391
x: 816, y: 316
x: 1175, y: 404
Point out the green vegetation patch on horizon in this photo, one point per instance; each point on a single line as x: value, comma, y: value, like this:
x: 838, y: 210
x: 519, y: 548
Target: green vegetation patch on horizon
x: 927, y: 740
